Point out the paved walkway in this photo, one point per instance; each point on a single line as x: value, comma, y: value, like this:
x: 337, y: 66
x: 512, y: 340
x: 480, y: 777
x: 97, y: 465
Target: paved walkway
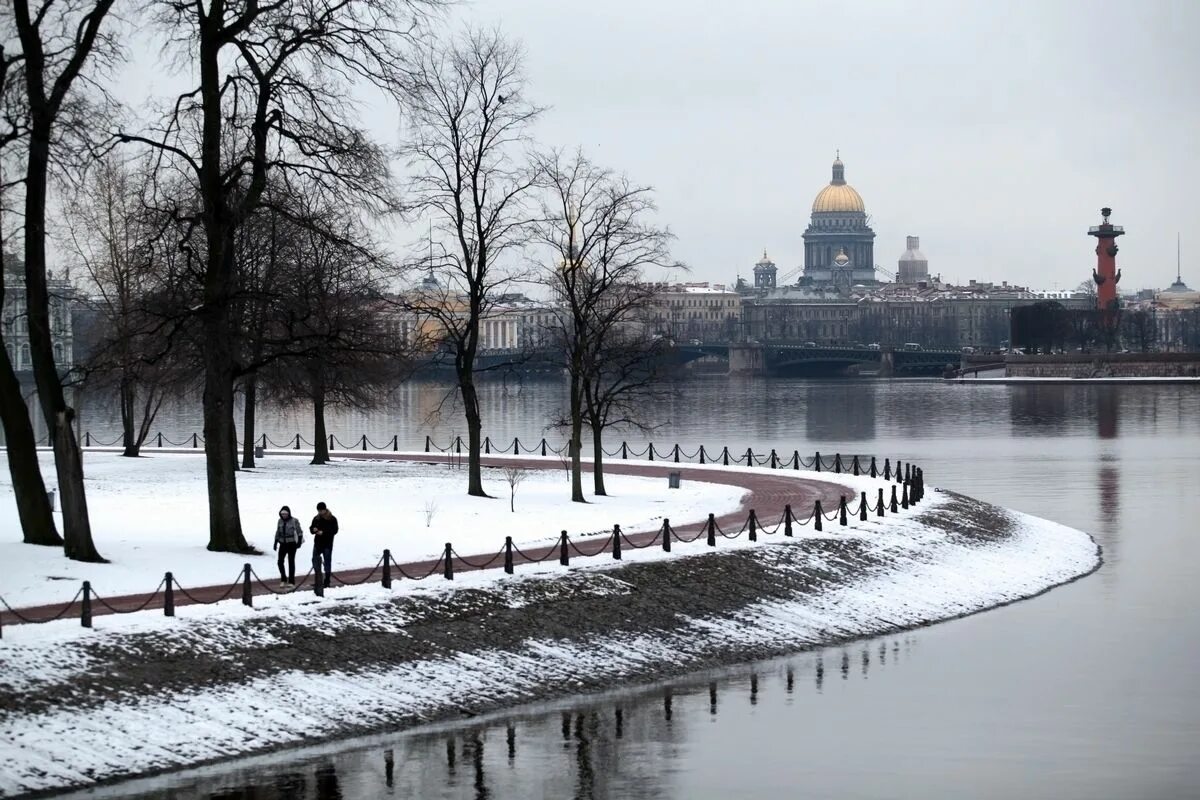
x: 767, y: 494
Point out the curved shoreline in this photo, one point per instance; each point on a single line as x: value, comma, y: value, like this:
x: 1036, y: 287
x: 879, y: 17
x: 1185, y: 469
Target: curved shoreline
x: 403, y: 661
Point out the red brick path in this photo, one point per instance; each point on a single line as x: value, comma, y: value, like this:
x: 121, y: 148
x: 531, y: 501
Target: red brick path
x: 766, y: 495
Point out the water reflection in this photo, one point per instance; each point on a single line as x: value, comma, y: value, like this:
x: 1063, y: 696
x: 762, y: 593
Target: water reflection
x: 842, y: 412
x: 599, y: 755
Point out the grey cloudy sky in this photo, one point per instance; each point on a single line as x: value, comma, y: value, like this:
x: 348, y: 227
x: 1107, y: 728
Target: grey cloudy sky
x: 994, y: 130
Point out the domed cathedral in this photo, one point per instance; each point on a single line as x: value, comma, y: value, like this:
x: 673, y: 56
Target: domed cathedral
x: 839, y: 246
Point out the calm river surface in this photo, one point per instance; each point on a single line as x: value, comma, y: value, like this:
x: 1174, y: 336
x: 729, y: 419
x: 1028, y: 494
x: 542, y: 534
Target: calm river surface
x: 1090, y: 691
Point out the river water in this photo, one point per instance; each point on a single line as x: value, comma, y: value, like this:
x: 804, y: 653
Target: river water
x: 1089, y: 691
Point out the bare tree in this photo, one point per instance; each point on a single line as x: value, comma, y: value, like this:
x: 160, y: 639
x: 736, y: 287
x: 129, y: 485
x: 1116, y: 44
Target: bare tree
x: 61, y: 44
x: 468, y: 119
x: 114, y: 237
x: 33, y: 506
x: 513, y: 476
x: 271, y: 101
x: 594, y: 225
x: 624, y: 382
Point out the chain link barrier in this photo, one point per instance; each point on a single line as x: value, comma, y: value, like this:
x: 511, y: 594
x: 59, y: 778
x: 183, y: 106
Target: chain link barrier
x: 97, y: 598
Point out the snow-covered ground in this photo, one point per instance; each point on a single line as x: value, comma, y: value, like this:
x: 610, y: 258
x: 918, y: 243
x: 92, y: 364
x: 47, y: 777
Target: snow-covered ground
x: 924, y: 571
x: 149, y: 515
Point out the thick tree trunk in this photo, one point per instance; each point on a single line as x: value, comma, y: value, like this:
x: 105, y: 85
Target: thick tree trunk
x: 248, y: 423
x: 470, y: 398
x: 33, y: 507
x: 68, y: 461
x: 320, y: 437
x: 220, y: 441
x: 129, y: 436
x: 598, y: 463
x: 575, y: 445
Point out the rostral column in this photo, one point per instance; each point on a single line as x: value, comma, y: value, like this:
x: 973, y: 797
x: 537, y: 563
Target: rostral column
x: 1106, y: 275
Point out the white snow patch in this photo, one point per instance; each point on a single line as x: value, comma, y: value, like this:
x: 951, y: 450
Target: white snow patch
x: 150, y: 515
x: 929, y: 575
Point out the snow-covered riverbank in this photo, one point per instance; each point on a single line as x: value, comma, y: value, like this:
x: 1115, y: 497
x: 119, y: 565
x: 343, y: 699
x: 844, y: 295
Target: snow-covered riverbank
x: 149, y: 515
x: 76, y: 707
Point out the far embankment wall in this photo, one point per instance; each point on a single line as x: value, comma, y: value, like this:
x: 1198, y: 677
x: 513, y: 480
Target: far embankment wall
x: 1105, y: 365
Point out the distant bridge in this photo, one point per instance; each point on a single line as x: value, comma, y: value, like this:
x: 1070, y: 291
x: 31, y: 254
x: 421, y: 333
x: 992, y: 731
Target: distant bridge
x: 776, y: 358
x: 788, y: 358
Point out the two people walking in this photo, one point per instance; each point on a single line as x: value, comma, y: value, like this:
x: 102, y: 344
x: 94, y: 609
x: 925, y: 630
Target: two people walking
x: 289, y: 538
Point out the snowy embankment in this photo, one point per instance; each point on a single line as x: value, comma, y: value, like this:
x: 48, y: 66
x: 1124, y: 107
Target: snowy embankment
x: 148, y: 694
x: 150, y: 515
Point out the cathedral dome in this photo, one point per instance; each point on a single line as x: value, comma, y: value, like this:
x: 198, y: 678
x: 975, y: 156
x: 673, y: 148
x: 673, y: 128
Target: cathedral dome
x: 838, y: 196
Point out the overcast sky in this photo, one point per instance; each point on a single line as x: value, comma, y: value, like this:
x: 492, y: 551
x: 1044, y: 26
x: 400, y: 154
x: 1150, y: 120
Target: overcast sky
x: 993, y: 130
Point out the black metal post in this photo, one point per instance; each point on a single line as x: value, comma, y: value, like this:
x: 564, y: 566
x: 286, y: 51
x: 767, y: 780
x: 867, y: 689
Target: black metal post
x: 87, y: 438
x: 426, y: 442
x: 711, y: 527
x: 160, y: 438
x: 196, y: 442
x: 676, y: 453
x: 904, y: 496
x: 85, y: 613
x: 650, y: 450
x: 364, y: 443
x: 725, y: 456
x: 837, y: 463
x: 879, y: 505
x: 701, y: 454
x: 842, y: 512
x: 395, y: 443
x: 795, y: 459
x: 666, y: 535
x: 458, y: 445
x: 564, y: 557
x: 624, y: 450
x: 874, y: 469
x: 508, y: 565
x: 387, y: 568
x: 297, y: 441
x: 516, y: 446
x: 817, y: 461
x: 895, y: 507
x: 862, y: 507
x: 749, y: 457
x: 908, y: 471
x: 887, y: 469
x: 753, y: 526
x: 264, y: 441
x: 448, y: 568
x: 331, y: 441
x: 543, y: 445
x: 817, y: 514
x: 617, y: 542
x: 787, y: 520
x: 854, y: 470
x: 169, y: 595
x: 247, y: 597
x: 774, y: 459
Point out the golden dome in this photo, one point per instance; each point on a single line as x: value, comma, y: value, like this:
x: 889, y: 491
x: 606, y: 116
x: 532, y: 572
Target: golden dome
x: 838, y: 196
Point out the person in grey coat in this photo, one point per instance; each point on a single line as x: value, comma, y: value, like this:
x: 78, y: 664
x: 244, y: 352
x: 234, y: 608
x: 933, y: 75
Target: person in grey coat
x: 288, y: 538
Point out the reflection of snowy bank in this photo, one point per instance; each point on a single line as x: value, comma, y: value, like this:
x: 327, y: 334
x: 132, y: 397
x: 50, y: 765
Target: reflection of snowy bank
x: 212, y: 685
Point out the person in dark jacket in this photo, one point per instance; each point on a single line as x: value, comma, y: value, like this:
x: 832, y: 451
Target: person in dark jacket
x: 323, y: 528
x: 288, y: 538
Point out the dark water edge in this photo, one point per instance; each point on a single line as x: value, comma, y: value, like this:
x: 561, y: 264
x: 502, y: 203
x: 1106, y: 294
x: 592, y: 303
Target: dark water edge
x: 1085, y: 692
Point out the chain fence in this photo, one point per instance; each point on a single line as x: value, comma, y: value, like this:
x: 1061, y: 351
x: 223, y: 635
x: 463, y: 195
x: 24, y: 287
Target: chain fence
x: 907, y: 492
